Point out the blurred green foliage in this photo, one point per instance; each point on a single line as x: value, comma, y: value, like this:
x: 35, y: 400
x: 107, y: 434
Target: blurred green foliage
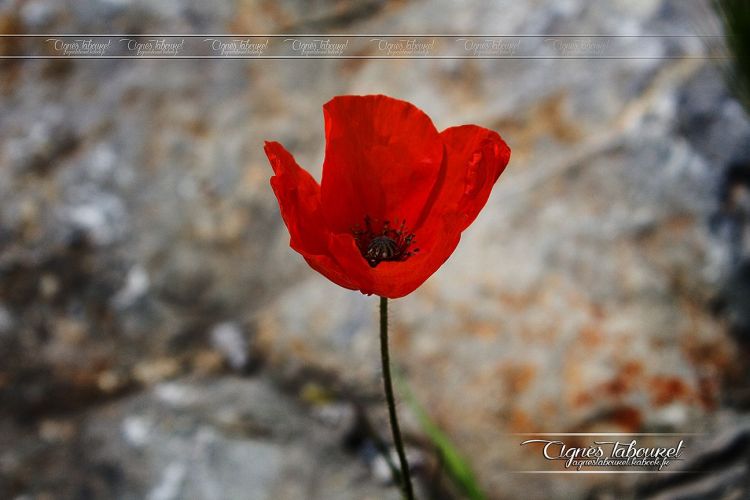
x: 735, y: 17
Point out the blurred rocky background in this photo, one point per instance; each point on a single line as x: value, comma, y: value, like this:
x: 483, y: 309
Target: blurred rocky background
x: 159, y: 340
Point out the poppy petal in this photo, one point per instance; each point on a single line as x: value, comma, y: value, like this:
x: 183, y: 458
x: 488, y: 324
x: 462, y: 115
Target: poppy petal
x: 383, y: 157
x: 330, y: 268
x: 475, y: 158
x: 397, y: 279
x: 299, y: 202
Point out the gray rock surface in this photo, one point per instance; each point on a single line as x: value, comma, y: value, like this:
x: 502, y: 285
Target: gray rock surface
x: 215, y: 439
x: 140, y: 242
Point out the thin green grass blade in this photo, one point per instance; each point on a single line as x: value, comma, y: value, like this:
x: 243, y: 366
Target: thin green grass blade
x: 457, y: 468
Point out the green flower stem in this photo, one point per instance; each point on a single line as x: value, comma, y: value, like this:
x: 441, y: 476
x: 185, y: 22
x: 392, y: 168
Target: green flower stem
x: 405, y: 479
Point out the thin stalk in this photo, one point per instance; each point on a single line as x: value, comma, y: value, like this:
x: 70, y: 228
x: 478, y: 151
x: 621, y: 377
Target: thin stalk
x: 405, y: 479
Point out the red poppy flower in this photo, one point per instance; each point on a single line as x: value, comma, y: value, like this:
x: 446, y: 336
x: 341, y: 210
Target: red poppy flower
x: 395, y: 196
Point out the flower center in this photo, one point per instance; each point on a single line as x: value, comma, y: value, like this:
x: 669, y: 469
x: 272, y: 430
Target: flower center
x: 384, y: 245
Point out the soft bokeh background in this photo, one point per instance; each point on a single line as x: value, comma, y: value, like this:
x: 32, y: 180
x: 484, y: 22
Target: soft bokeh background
x: 158, y: 338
